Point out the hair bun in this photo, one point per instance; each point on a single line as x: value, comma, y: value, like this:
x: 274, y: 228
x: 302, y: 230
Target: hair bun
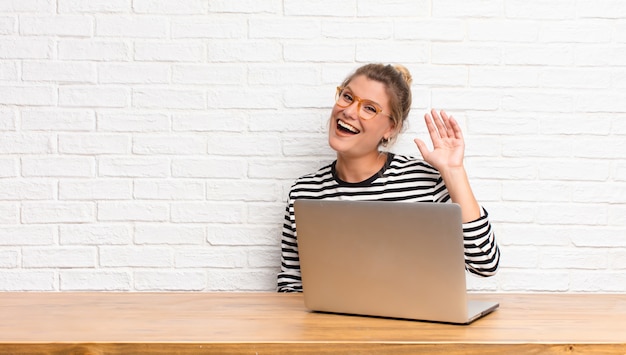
x: 406, y: 75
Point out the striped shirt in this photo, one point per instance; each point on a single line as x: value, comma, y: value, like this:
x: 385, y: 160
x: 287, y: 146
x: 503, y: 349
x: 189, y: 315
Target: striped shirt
x: 404, y: 179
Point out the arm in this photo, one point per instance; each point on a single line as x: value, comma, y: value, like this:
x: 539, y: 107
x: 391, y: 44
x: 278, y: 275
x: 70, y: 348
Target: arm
x: 482, y: 255
x: 447, y: 158
x: 289, y: 279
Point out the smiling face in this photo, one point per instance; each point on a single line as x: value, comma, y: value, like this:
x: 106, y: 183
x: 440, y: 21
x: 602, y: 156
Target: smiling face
x: 352, y: 136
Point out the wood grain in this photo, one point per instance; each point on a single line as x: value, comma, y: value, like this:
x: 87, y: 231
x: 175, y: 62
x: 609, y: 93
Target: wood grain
x: 235, y: 323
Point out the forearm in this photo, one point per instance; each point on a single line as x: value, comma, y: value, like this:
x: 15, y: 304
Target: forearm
x: 460, y: 191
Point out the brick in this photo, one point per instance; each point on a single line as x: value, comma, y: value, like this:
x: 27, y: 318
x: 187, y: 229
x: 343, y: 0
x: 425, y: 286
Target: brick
x: 543, y: 55
x: 126, y: 73
x: 58, y: 120
x: 504, y: 77
x: 293, y: 121
x: 213, y: 257
x: 242, y: 190
x: 531, y: 280
x: 131, y: 26
x: 9, y: 167
x: 393, y: 8
x: 508, y: 30
x: 26, y: 190
x: 169, y: 51
x: 570, y: 170
x: 133, y: 122
x: 228, y: 98
x: 145, y: 256
x: 430, y: 29
x: 27, y: 95
x: 93, y: 50
x: 67, y: 72
x: 61, y: 257
x: 270, y: 74
x: 8, y: 71
x: 241, y: 279
x: 89, y: 144
x: 134, y: 167
x: 466, y: 54
x: 95, y: 234
x: 315, y: 52
x: 320, y: 8
x: 95, y: 189
x: 58, y: 212
x: 169, y: 145
x: 539, y: 191
x: 243, y: 144
x: 91, y: 280
x: 94, y: 96
x: 94, y: 6
x: 27, y: 6
x: 404, y: 52
x: 9, y: 212
x: 58, y: 167
x: 61, y: 25
x: 132, y: 211
x: 246, y: 6
x: 209, y: 74
x: 572, y: 214
x: 27, y: 280
x: 268, y: 235
x: 598, y: 281
x: 283, y: 29
x: 264, y: 212
x: 169, y: 190
x: 9, y: 259
x: 214, y: 27
x: 472, y: 8
x: 541, y: 10
x: 537, y: 147
x: 207, y: 212
x: 27, y: 235
x: 169, y: 234
x: 244, y: 51
x: 169, y: 99
x: 604, y: 9
x: 209, y: 122
x: 170, y: 7
x: 165, y: 280
x: 8, y: 25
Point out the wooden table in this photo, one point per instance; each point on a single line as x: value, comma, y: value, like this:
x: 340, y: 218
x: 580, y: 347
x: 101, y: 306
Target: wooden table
x: 271, y: 323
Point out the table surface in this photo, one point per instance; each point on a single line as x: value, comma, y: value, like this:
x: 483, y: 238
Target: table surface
x: 242, y: 322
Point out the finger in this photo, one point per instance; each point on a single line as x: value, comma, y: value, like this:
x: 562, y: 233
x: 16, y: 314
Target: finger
x: 432, y: 129
x: 456, y: 128
x: 447, y: 121
x: 421, y: 146
x: 441, y: 128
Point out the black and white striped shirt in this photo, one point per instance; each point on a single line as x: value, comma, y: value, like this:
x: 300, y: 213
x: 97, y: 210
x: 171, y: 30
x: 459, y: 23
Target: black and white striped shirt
x: 403, y: 179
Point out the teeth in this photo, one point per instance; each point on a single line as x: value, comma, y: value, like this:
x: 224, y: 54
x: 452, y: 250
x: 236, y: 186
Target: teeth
x: 348, y: 127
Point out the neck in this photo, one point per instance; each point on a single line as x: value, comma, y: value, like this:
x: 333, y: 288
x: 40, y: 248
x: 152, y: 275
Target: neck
x: 357, y: 169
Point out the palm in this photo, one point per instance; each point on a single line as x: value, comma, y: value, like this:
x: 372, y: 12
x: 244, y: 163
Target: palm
x: 447, y: 139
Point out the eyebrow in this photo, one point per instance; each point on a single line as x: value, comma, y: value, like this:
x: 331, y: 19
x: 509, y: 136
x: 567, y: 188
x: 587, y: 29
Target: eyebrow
x: 347, y: 87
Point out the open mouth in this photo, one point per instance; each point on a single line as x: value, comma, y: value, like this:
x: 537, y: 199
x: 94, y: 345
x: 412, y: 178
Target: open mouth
x: 346, y: 128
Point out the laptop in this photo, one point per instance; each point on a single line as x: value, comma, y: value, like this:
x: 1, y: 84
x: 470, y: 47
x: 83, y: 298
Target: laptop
x: 385, y: 259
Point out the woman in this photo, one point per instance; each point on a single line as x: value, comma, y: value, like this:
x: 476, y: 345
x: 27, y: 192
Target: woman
x: 370, y: 110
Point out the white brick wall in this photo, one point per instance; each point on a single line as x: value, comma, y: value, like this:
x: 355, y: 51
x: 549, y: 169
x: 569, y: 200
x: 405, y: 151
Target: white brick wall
x: 149, y: 145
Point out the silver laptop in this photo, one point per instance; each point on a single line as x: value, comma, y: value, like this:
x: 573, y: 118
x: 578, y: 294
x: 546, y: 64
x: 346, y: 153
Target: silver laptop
x: 386, y: 259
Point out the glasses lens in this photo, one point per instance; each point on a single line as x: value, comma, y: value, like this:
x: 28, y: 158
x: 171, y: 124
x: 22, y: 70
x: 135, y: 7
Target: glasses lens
x: 344, y: 98
x: 368, y: 110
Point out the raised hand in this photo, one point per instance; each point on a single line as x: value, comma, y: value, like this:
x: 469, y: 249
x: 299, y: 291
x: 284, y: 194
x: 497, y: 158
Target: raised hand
x: 447, y: 138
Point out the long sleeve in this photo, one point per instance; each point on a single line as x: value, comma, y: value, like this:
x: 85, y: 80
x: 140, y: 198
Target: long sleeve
x: 482, y: 255
x: 289, y: 279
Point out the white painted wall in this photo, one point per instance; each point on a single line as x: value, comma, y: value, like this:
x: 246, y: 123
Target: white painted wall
x: 148, y: 145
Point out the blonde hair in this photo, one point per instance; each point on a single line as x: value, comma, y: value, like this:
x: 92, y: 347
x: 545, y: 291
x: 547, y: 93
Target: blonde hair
x: 397, y: 80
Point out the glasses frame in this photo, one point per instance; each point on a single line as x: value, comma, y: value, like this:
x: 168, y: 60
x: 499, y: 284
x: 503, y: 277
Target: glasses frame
x: 359, y: 102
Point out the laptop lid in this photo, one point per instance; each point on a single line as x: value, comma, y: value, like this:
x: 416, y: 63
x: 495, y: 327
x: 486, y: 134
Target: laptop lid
x: 389, y: 259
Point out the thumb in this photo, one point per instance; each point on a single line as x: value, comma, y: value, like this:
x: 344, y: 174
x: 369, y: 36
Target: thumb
x: 421, y: 146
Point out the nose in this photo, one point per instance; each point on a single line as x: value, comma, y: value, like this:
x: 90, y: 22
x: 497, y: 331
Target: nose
x: 352, y: 111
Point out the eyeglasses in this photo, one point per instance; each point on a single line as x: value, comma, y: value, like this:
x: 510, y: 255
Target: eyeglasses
x: 367, y: 109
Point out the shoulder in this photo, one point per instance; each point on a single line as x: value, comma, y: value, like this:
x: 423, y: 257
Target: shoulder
x: 313, y: 184
x: 410, y: 163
